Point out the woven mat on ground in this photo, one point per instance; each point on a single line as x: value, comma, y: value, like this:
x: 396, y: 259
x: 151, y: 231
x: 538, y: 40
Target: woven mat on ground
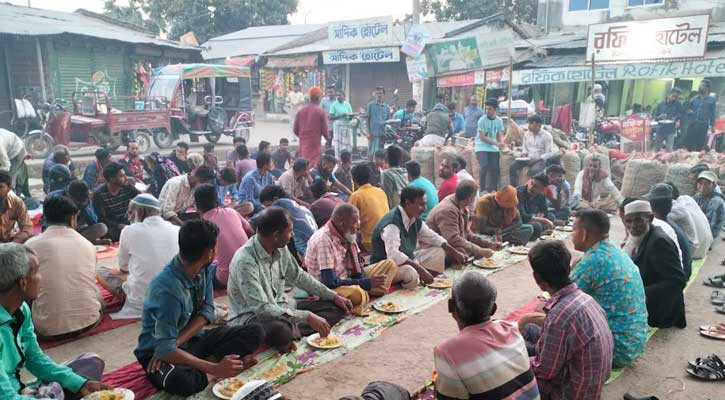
x: 280, y: 369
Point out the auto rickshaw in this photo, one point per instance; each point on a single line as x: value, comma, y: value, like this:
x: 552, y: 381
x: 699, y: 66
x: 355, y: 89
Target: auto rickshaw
x: 205, y: 100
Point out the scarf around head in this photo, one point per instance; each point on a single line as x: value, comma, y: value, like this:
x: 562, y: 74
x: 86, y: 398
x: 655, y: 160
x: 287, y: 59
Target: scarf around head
x: 588, y: 180
x: 505, y: 199
x: 351, y: 256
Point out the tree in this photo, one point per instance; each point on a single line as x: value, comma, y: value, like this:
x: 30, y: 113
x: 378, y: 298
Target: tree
x: 131, y: 14
x: 456, y: 10
x: 206, y: 18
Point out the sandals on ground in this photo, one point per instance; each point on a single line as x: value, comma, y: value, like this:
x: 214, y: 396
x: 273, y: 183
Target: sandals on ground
x: 717, y: 281
x: 710, y: 368
x: 717, y: 298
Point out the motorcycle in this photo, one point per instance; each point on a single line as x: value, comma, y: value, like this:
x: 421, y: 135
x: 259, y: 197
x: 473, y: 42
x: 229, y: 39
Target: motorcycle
x: 402, y: 136
x: 39, y: 143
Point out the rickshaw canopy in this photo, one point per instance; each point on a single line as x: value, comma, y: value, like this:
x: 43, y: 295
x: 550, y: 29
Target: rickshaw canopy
x: 191, y: 71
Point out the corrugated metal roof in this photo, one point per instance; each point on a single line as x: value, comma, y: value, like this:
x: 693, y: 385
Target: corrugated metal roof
x: 255, y: 32
x: 214, y: 49
x: 18, y: 20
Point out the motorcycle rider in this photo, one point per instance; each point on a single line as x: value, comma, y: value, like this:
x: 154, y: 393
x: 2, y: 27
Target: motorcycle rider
x: 407, y: 115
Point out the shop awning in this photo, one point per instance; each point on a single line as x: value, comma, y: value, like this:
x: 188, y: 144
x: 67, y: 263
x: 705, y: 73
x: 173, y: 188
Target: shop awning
x: 298, y: 61
x: 240, y: 61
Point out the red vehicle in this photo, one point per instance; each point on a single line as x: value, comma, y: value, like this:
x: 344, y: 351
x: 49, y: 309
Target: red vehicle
x: 95, y: 122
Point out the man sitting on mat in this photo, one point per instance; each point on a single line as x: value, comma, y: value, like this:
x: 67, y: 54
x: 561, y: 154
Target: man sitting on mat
x: 497, y: 214
x: 465, y: 363
x: 176, y: 354
x: 450, y: 220
x: 332, y: 258
x: 533, y: 208
x: 177, y: 195
x: 110, y: 200
x: 606, y: 273
x: 146, y: 247
x: 261, y: 270
x: 403, y: 237
x: 20, y: 285
x: 68, y: 302
x: 573, y: 356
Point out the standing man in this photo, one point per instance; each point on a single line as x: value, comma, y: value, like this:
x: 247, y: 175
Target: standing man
x: 488, y: 143
x: 377, y: 112
x: 458, y: 123
x: 437, y: 126
x: 407, y: 115
x: 340, y: 112
x: 110, y: 200
x: 701, y: 111
x: 310, y: 126
x: 538, y: 147
x: 329, y: 99
x: 668, y: 115
x: 12, y: 154
x: 471, y: 115
x: 295, y: 101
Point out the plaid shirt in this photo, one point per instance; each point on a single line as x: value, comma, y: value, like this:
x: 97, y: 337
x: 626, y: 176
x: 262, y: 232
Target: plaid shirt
x: 574, y: 353
x: 325, y: 251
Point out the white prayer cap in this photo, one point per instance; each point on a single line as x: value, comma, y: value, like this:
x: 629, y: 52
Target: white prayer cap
x: 637, y: 206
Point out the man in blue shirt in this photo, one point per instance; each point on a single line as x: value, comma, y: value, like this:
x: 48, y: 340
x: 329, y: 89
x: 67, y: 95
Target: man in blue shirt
x: 303, y: 222
x: 489, y: 140
x: 431, y: 195
x: 325, y: 171
x: 457, y: 121
x: 407, y: 115
x: 472, y: 114
x: 256, y: 180
x: 668, y: 114
x: 226, y: 184
x: 378, y: 112
x: 701, y: 111
x: 176, y: 355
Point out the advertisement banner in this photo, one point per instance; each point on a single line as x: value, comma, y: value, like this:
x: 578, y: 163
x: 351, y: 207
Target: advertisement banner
x: 657, y: 39
x: 583, y: 73
x: 417, y: 68
x: 414, y: 42
x: 360, y: 33
x: 385, y: 54
x: 456, y: 55
x: 495, y: 47
x: 495, y: 77
x: 466, y: 79
x: 635, y: 128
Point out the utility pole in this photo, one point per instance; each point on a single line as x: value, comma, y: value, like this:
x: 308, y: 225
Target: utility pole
x: 416, y: 12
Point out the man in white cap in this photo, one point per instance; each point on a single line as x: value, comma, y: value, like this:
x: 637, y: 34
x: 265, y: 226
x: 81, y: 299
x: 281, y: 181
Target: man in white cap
x: 659, y: 265
x: 146, y: 246
x: 710, y: 201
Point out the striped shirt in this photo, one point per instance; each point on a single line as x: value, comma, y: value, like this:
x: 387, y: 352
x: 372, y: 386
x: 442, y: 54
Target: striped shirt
x: 485, y: 361
x: 574, y: 352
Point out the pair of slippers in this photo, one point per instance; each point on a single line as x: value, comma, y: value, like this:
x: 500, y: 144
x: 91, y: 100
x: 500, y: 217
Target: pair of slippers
x: 710, y: 368
x: 717, y: 281
x: 713, y: 331
x: 717, y: 298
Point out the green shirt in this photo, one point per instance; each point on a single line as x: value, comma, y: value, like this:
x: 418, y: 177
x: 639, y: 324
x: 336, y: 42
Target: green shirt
x: 257, y: 280
x: 393, y: 180
x: 491, y: 127
x: 36, y: 362
x: 408, y: 237
x: 338, y: 108
x: 431, y: 195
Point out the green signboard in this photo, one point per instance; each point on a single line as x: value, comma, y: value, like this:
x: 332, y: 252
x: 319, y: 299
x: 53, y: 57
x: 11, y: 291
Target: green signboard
x: 456, y: 55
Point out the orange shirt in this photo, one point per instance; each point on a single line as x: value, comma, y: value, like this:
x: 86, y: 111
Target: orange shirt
x: 373, y: 204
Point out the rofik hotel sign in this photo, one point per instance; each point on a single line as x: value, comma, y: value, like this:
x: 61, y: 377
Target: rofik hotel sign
x: 657, y: 39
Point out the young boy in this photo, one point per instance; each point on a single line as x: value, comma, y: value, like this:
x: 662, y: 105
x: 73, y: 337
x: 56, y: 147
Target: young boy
x: 489, y: 142
x: 281, y: 157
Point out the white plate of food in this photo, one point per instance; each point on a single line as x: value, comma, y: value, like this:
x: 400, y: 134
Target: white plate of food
x: 389, y: 307
x: 112, y: 394
x: 326, y: 343
x: 225, y: 388
x: 441, y: 283
x: 518, y: 250
x: 566, y: 228
x: 487, y: 263
x: 523, y: 158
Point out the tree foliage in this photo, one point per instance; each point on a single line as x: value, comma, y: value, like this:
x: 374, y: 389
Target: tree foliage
x: 456, y: 10
x: 206, y: 18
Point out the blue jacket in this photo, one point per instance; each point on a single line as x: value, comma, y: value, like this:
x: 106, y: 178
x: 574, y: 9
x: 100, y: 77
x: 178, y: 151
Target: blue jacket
x: 714, y: 209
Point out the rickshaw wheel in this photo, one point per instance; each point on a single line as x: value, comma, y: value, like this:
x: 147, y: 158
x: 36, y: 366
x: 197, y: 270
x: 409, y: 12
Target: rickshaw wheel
x: 213, y: 137
x: 143, y: 139
x: 163, y: 138
x: 39, y: 145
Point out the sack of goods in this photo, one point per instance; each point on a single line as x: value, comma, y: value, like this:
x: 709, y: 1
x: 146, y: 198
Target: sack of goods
x: 641, y: 175
x: 426, y: 158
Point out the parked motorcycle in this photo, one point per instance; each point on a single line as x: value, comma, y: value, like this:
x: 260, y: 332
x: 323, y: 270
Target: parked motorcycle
x: 25, y: 118
x: 402, y: 136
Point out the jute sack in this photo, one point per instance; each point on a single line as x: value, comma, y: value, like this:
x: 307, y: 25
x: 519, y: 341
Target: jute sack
x: 640, y: 175
x: 442, y: 152
x: 466, y: 153
x: 425, y: 157
x: 474, y: 168
x: 572, y: 165
x: 679, y: 175
x: 514, y: 134
x: 506, y: 159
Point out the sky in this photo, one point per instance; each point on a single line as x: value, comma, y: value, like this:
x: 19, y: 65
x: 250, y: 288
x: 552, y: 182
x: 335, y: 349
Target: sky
x: 315, y: 11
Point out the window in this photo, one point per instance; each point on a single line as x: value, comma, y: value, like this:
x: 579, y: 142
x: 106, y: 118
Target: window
x: 585, y: 5
x: 640, y: 3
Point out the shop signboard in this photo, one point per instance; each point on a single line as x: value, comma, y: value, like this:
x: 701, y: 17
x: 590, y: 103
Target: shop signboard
x: 455, y: 55
x: 656, y: 39
x: 361, y: 33
x: 417, y: 68
x: 414, y: 42
x: 376, y: 55
x: 494, y: 77
x: 495, y: 47
x: 635, y: 128
x: 614, y: 72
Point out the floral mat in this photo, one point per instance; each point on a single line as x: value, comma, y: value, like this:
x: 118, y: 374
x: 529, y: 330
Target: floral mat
x: 280, y: 369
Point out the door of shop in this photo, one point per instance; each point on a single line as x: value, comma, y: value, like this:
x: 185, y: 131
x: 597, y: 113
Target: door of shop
x: 365, y: 77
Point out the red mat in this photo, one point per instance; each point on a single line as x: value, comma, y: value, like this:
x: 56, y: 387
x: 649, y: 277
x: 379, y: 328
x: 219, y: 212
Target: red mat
x: 110, y: 252
x: 106, y: 324
x: 131, y: 377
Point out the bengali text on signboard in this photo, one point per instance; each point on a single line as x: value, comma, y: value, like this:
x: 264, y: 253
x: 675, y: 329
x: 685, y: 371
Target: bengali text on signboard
x: 374, y: 31
x: 377, y: 55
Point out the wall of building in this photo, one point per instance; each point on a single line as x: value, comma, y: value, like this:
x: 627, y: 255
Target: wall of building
x: 365, y: 77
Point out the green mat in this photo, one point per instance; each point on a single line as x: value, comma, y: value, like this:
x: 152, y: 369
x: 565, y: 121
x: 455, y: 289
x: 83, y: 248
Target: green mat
x: 696, y: 267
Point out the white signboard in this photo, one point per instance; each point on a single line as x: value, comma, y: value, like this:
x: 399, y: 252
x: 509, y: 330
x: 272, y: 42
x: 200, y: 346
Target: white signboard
x: 417, y: 68
x: 657, y: 39
x: 673, y: 69
x: 368, y: 32
x: 377, y: 55
x: 495, y: 47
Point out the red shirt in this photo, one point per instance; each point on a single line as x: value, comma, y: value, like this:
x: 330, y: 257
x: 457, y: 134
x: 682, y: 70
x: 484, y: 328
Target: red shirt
x: 448, y: 187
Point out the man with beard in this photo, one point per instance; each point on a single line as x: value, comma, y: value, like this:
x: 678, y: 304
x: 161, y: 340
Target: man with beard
x: 659, y: 265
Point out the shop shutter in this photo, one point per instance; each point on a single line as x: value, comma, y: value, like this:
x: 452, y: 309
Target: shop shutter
x: 365, y: 77
x: 6, y: 110
x: 92, y: 69
x: 75, y: 69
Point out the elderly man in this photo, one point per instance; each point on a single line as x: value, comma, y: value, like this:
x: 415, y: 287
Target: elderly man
x: 310, y: 126
x: 497, y: 214
x: 20, y: 286
x: 13, y: 212
x: 146, y: 246
x: 61, y: 155
x: 538, y: 147
x: 573, y: 355
x: 296, y: 182
x: 710, y: 201
x: 630, y: 242
x: 332, y: 258
x: 178, y: 357
x: 416, y: 180
x: 450, y: 220
x: 594, y: 188
x: 395, y: 177
x: 660, y: 199
x: 65, y: 307
x: 609, y: 275
x: 110, y: 200
x: 370, y: 201
x: 465, y: 362
x: 256, y: 180
x: 659, y: 265
x: 403, y: 237
x: 686, y: 213
x: 177, y: 195
x: 259, y: 273
x: 93, y: 174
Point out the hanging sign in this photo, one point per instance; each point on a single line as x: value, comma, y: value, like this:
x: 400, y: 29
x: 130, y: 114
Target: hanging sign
x: 417, y: 68
x: 455, y: 55
x: 385, y: 54
x: 495, y: 48
x: 414, y: 42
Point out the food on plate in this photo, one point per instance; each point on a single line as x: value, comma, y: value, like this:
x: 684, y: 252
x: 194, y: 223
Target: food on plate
x: 519, y: 250
x: 230, y: 386
x: 388, y: 307
x: 108, y: 395
x: 441, y: 283
x: 485, y: 263
x: 566, y: 228
x: 330, y: 341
